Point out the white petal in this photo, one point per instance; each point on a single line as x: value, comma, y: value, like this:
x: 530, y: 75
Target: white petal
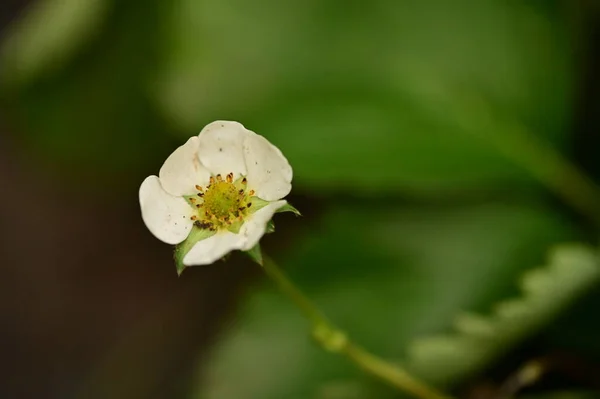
x: 256, y: 226
x: 182, y: 170
x: 221, y: 148
x: 166, y: 216
x: 269, y: 173
x: 213, y: 248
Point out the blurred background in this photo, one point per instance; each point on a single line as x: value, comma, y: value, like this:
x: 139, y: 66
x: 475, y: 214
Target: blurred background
x: 438, y: 149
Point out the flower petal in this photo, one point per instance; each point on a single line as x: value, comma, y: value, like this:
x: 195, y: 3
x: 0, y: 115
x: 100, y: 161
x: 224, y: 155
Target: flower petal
x: 256, y: 226
x: 269, y: 173
x: 213, y: 248
x: 166, y: 216
x: 182, y: 170
x: 221, y: 148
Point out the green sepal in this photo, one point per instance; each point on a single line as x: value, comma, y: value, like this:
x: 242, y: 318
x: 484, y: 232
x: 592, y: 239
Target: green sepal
x: 235, y: 227
x: 197, y: 234
x: 258, y: 203
x: 289, y: 208
x: 255, y: 254
x: 270, y: 227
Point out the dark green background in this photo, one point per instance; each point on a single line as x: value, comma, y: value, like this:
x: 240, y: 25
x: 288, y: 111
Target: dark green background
x: 416, y: 130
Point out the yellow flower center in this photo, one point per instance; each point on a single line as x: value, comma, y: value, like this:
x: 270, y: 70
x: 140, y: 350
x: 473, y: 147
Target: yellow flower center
x: 221, y: 205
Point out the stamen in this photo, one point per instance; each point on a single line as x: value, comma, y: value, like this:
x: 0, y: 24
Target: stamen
x: 193, y: 217
x: 224, y: 202
x: 203, y: 225
x: 249, y: 204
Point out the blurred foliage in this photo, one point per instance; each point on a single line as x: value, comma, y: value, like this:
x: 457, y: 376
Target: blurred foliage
x: 48, y: 36
x: 389, y: 84
x: 564, y: 395
x: 93, y: 112
x: 349, y: 94
x: 402, y: 291
x: 371, y: 103
x: 546, y: 292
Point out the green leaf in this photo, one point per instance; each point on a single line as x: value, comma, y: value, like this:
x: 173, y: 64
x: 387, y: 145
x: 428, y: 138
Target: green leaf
x: 562, y: 395
x: 289, y: 208
x: 255, y: 254
x: 47, y: 36
x: 412, y: 121
x: 384, y: 277
x: 571, y: 270
x: 90, y: 113
x: 182, y: 249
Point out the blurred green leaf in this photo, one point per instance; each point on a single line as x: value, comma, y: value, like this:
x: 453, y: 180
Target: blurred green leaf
x: 47, y: 36
x: 562, y: 395
x: 381, y: 97
x: 95, y: 112
x: 571, y: 271
x: 386, y: 278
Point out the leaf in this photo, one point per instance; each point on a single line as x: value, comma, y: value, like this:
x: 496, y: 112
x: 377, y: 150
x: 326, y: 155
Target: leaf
x: 406, y: 121
x: 93, y: 111
x: 385, y: 277
x: 47, y: 36
x: 562, y: 395
x: 571, y: 270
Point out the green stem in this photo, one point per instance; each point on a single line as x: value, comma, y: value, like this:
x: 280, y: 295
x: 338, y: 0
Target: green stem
x: 552, y: 169
x: 334, y: 340
x: 526, y: 149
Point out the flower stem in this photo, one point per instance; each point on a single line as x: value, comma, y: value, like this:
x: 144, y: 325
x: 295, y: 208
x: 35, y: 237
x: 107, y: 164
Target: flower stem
x: 334, y: 340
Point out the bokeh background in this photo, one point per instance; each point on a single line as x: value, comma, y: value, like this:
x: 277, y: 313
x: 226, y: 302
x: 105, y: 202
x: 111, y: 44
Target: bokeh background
x: 438, y: 150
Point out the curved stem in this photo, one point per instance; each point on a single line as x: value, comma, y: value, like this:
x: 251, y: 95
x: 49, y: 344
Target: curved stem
x: 524, y: 148
x: 334, y: 340
x: 551, y: 168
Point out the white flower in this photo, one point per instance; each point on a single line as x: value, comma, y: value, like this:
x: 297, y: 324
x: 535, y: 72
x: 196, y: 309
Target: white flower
x: 218, y: 190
